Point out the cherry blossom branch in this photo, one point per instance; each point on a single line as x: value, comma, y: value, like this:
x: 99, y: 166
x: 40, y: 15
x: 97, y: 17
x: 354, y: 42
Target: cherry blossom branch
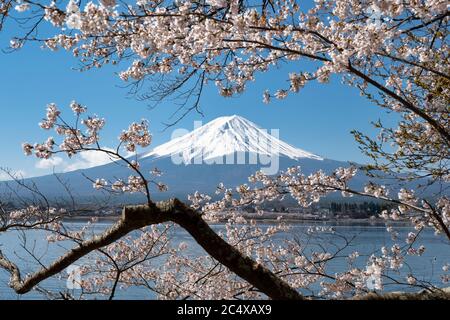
x: 442, y: 131
x: 137, y: 217
x: 309, y: 189
x: 438, y: 218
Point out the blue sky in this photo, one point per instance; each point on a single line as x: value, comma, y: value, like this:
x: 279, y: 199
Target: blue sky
x: 318, y: 119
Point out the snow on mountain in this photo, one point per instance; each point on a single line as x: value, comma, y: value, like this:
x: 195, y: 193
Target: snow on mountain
x: 216, y: 139
x: 224, y: 136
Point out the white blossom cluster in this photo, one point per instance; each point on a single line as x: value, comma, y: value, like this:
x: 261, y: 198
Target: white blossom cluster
x: 164, y: 38
x: 74, y: 141
x: 137, y: 134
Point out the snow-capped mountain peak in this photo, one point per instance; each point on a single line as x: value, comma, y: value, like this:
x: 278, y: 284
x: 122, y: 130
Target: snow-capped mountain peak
x: 225, y: 136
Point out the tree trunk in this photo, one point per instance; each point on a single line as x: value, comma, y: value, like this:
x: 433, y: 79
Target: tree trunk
x: 136, y: 217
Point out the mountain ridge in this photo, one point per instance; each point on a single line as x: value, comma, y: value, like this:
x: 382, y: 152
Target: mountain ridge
x: 212, y: 143
x: 223, y: 136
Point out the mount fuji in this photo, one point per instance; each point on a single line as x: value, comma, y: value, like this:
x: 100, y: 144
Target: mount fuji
x: 227, y: 149
x: 225, y: 136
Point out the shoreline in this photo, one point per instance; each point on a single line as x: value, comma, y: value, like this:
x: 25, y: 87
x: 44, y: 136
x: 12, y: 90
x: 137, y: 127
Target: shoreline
x: 262, y: 220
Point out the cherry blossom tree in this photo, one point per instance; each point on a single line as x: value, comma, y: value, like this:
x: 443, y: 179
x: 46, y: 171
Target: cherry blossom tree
x: 394, y: 52
x: 244, y: 250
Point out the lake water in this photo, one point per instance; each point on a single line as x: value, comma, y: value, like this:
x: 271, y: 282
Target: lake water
x: 368, y: 238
